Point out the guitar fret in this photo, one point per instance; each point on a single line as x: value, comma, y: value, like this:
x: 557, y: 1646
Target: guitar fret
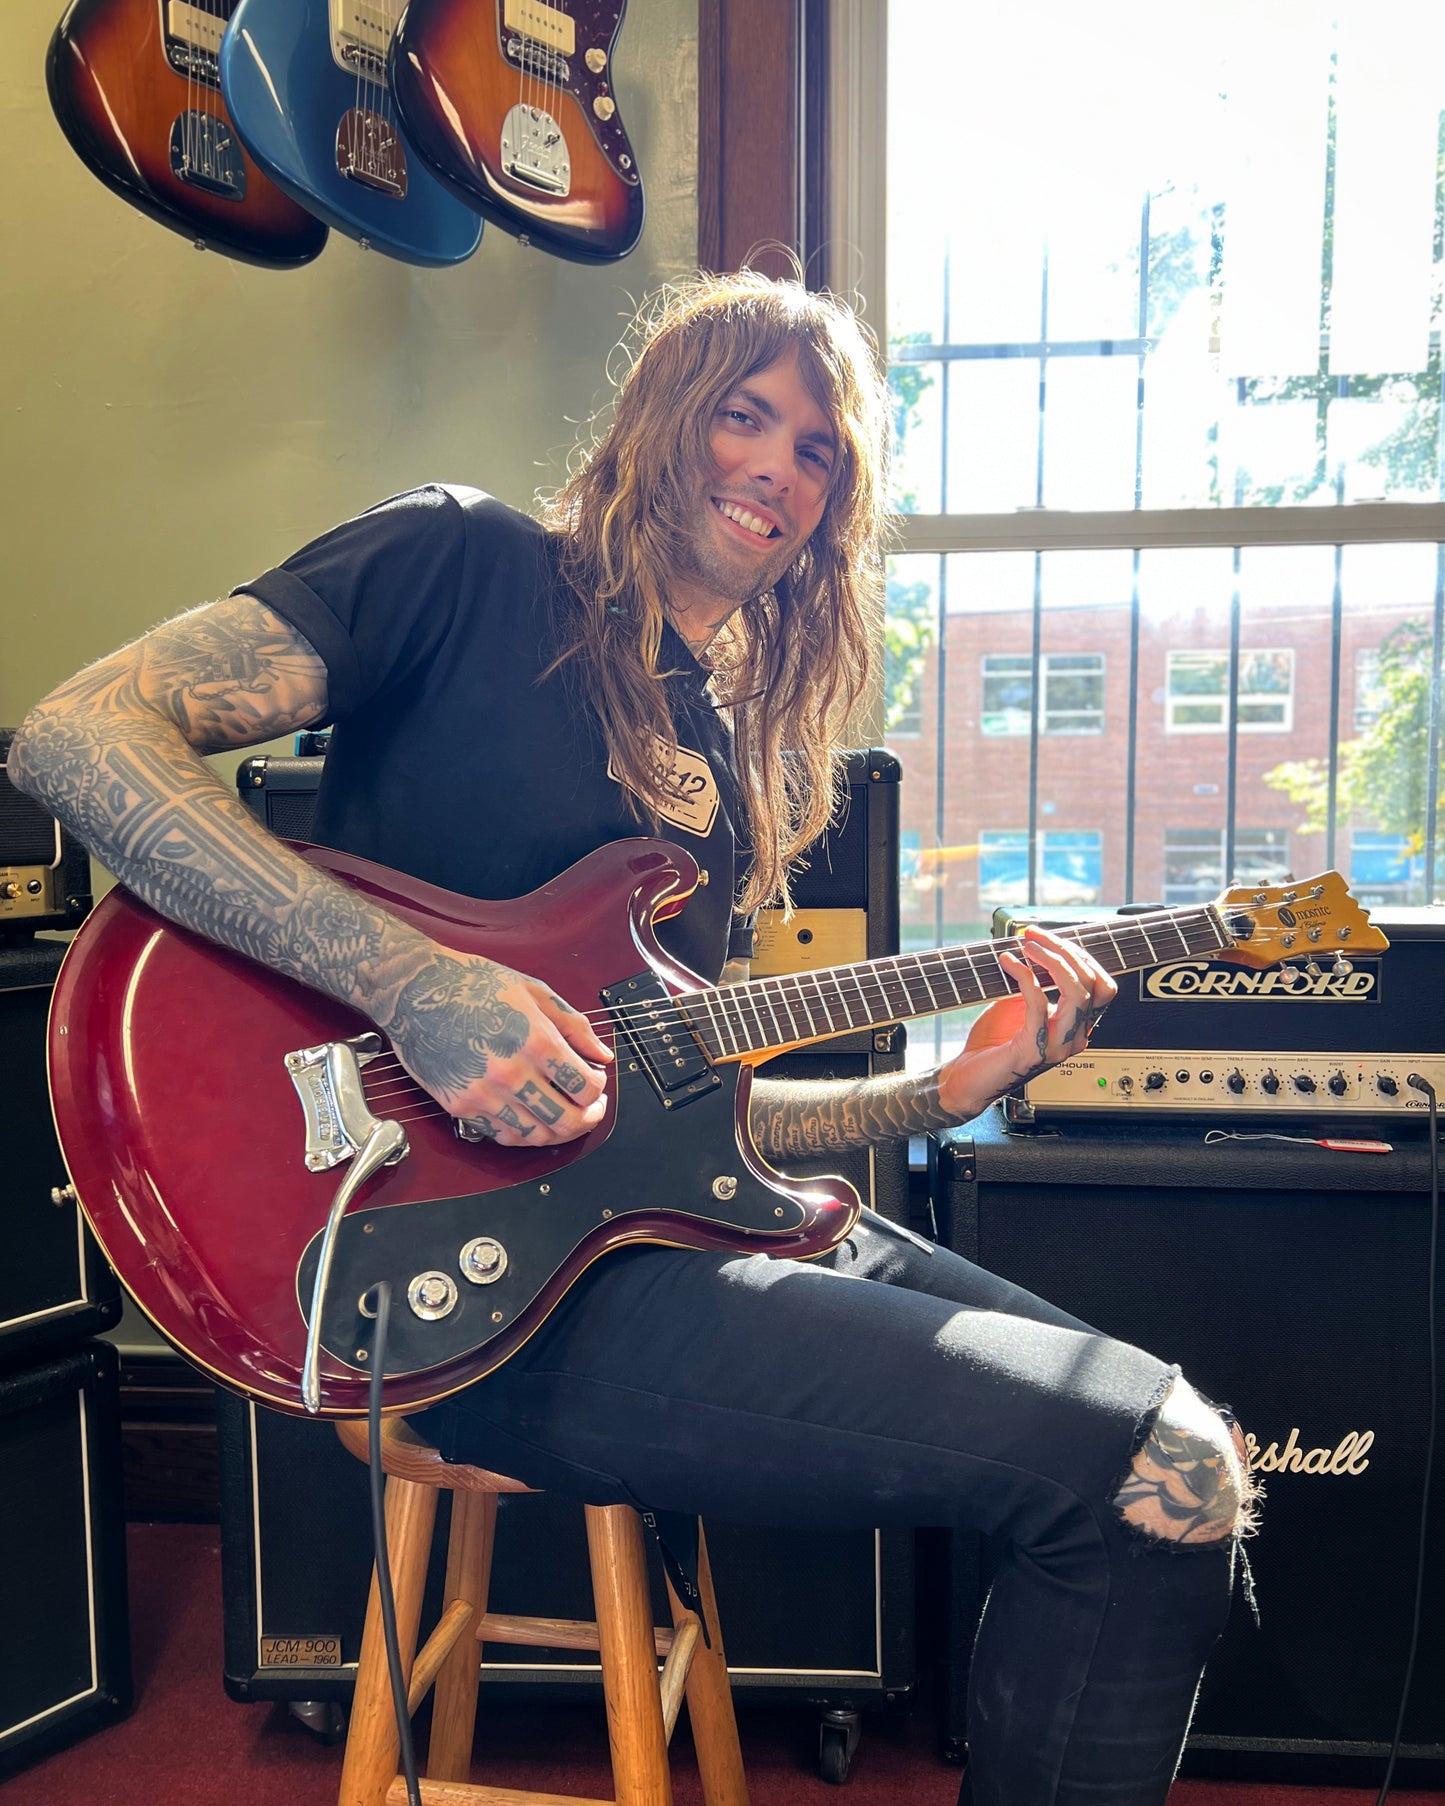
x: 765, y: 989
x: 794, y: 1034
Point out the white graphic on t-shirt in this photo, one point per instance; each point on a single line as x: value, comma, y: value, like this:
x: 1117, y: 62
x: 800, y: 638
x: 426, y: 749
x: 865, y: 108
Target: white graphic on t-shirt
x: 690, y: 793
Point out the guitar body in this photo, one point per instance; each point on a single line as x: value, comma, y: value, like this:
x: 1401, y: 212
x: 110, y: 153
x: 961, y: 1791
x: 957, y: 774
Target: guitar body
x: 142, y: 109
x: 184, y: 1138
x: 522, y: 127
x: 329, y: 136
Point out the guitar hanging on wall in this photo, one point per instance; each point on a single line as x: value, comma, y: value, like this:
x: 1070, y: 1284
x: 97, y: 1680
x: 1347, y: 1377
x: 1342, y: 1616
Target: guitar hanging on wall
x: 134, y: 86
x: 511, y: 103
x: 207, y: 1107
x: 305, y: 83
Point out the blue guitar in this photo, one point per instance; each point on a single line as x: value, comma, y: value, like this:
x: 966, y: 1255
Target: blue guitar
x: 305, y: 85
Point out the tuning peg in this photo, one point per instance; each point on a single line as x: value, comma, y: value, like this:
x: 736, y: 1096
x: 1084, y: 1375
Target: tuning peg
x: 1342, y: 967
x: 1312, y: 968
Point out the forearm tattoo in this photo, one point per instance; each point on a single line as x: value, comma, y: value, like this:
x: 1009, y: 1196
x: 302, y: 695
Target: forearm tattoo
x: 796, y: 1119
x: 114, y: 754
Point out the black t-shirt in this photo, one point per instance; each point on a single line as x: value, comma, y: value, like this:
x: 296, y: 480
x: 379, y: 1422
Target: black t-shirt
x: 452, y: 757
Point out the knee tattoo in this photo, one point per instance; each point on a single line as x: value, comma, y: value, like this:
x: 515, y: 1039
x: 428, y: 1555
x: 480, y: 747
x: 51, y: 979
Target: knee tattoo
x: 1190, y: 1482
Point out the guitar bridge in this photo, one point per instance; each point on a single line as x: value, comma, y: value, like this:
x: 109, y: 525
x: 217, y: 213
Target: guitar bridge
x: 534, y: 150
x: 339, y: 1121
x: 662, y: 1038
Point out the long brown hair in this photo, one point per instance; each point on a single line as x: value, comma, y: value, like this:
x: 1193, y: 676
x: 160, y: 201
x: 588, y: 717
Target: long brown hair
x: 792, y: 664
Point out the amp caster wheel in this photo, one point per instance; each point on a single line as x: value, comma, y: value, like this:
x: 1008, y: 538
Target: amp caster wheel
x: 324, y: 1718
x: 838, y: 1734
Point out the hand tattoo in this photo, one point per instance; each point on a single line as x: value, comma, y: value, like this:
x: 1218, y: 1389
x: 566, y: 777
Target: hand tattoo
x: 450, y: 1018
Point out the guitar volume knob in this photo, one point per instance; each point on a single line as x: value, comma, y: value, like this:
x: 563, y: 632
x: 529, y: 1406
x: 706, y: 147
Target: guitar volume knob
x: 483, y: 1260
x: 432, y: 1295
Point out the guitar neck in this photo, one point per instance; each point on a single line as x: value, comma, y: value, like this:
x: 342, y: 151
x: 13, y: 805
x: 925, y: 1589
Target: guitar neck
x: 769, y: 1014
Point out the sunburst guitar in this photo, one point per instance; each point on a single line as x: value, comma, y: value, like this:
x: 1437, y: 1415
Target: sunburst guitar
x: 135, y: 87
x: 512, y: 104
x: 254, y: 1160
x: 306, y: 86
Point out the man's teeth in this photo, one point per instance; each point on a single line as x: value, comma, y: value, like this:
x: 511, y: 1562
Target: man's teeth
x: 764, y: 529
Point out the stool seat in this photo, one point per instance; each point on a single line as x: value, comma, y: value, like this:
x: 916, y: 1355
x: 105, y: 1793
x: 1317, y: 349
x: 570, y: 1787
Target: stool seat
x: 642, y: 1705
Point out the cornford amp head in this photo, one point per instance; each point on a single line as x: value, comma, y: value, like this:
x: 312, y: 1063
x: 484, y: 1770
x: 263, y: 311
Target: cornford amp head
x: 1203, y: 1037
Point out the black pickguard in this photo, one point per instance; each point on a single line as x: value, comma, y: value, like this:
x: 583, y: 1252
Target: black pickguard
x: 656, y: 1161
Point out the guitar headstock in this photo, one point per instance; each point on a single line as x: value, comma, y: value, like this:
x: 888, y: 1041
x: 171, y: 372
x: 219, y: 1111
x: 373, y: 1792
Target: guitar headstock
x: 1314, y: 919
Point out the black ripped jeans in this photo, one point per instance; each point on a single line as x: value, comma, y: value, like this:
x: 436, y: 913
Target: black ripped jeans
x: 893, y: 1383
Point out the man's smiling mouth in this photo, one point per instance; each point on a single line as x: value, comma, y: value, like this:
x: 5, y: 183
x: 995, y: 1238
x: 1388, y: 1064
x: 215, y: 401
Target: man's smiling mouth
x: 747, y: 520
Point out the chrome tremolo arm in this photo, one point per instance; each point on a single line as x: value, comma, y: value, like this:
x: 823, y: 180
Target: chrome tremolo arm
x: 339, y: 1127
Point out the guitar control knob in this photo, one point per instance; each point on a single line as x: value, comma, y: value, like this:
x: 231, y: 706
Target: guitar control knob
x: 1390, y: 1087
x: 1236, y: 1082
x: 9, y: 890
x: 596, y: 60
x: 1303, y: 1082
x: 432, y: 1295
x: 1269, y: 1083
x: 483, y: 1260
x: 604, y: 106
x: 1154, y: 1082
x: 1339, y: 1084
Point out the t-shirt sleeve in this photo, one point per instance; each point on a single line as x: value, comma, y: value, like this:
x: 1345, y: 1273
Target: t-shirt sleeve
x: 376, y: 596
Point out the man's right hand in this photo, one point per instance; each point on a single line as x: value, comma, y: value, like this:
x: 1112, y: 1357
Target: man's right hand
x: 499, y: 1050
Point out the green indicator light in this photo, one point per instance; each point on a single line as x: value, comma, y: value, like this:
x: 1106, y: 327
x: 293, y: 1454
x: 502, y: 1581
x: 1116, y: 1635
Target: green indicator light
x: 1103, y: 1084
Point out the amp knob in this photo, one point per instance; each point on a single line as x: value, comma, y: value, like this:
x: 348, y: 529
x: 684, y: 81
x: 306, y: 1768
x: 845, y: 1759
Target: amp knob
x: 1339, y: 1084
x: 1154, y: 1082
x: 1235, y: 1082
x: 1390, y: 1087
x: 1269, y: 1083
x: 1303, y: 1082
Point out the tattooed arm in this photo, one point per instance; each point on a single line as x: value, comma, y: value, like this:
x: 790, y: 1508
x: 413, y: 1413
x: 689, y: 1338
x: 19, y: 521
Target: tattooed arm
x: 1012, y: 1041
x: 115, y: 754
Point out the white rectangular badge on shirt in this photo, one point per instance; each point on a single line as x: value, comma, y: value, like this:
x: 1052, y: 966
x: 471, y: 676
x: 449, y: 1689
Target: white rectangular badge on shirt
x: 690, y: 793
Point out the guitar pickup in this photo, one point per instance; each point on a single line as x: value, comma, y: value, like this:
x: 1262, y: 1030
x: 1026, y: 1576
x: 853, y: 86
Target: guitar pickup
x: 661, y: 1037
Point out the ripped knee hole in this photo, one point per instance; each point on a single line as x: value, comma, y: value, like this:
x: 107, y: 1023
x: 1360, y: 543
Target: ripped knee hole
x: 1190, y: 1481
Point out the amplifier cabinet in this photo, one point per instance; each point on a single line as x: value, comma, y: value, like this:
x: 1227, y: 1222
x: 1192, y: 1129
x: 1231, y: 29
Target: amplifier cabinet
x: 44, y: 870
x: 55, y: 1287
x: 1201, y: 1036
x: 65, y: 1653
x: 1291, y: 1283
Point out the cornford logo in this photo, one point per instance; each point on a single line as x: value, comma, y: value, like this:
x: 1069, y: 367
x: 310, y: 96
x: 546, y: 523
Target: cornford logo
x: 1348, y: 1457
x: 1188, y: 980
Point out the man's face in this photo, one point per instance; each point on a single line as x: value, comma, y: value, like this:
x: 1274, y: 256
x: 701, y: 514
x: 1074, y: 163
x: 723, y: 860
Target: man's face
x: 773, y: 452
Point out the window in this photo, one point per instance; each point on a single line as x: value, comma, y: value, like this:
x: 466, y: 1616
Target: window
x: 1385, y: 868
x: 1165, y: 354
x: 1194, y: 861
x: 1070, y: 868
x: 1199, y: 694
x: 1073, y: 693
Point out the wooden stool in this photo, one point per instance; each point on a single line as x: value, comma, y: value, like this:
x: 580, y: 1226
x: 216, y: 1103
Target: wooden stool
x: 641, y: 1706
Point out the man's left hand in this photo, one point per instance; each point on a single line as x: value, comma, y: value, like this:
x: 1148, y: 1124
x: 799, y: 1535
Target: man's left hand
x: 1022, y: 1035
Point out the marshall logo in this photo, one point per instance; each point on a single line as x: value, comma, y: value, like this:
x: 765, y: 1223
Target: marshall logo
x: 1189, y: 980
x: 1348, y: 1457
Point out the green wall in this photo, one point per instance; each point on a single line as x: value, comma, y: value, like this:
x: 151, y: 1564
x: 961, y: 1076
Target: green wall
x: 175, y: 421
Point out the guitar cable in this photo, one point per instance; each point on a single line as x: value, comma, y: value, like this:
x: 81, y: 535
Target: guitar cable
x: 1421, y: 1084
x: 381, y: 1297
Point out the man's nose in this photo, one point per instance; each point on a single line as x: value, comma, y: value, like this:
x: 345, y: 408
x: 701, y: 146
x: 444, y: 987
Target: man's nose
x: 775, y: 463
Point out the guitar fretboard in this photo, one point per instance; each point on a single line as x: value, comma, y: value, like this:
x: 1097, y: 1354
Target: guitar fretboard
x: 794, y: 1007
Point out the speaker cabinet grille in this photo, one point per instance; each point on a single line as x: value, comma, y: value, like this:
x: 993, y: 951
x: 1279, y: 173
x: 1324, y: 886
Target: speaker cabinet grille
x: 1291, y: 1284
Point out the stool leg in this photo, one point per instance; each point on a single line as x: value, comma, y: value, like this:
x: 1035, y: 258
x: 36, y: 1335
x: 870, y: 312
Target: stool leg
x: 469, y: 1572
x: 710, y: 1700
x: 640, y: 1774
x: 371, y: 1740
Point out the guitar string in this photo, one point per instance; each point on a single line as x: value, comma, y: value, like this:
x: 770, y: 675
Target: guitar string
x: 394, y: 1080
x: 944, y: 960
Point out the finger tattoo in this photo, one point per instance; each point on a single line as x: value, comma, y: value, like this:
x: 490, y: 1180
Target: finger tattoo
x: 567, y: 1077
x: 538, y: 1102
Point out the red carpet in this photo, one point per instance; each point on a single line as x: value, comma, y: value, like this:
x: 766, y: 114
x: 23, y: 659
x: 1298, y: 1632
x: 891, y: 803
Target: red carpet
x: 187, y: 1744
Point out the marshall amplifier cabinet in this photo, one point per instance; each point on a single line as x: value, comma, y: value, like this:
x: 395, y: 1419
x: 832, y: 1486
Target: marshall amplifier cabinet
x: 65, y: 1652
x: 1202, y: 1037
x: 55, y: 1287
x: 44, y: 872
x: 1292, y: 1283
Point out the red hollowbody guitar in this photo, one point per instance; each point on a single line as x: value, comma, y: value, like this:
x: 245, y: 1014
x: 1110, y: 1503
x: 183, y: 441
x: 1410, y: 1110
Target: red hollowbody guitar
x: 213, y: 1116
x: 511, y: 104
x: 134, y: 86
